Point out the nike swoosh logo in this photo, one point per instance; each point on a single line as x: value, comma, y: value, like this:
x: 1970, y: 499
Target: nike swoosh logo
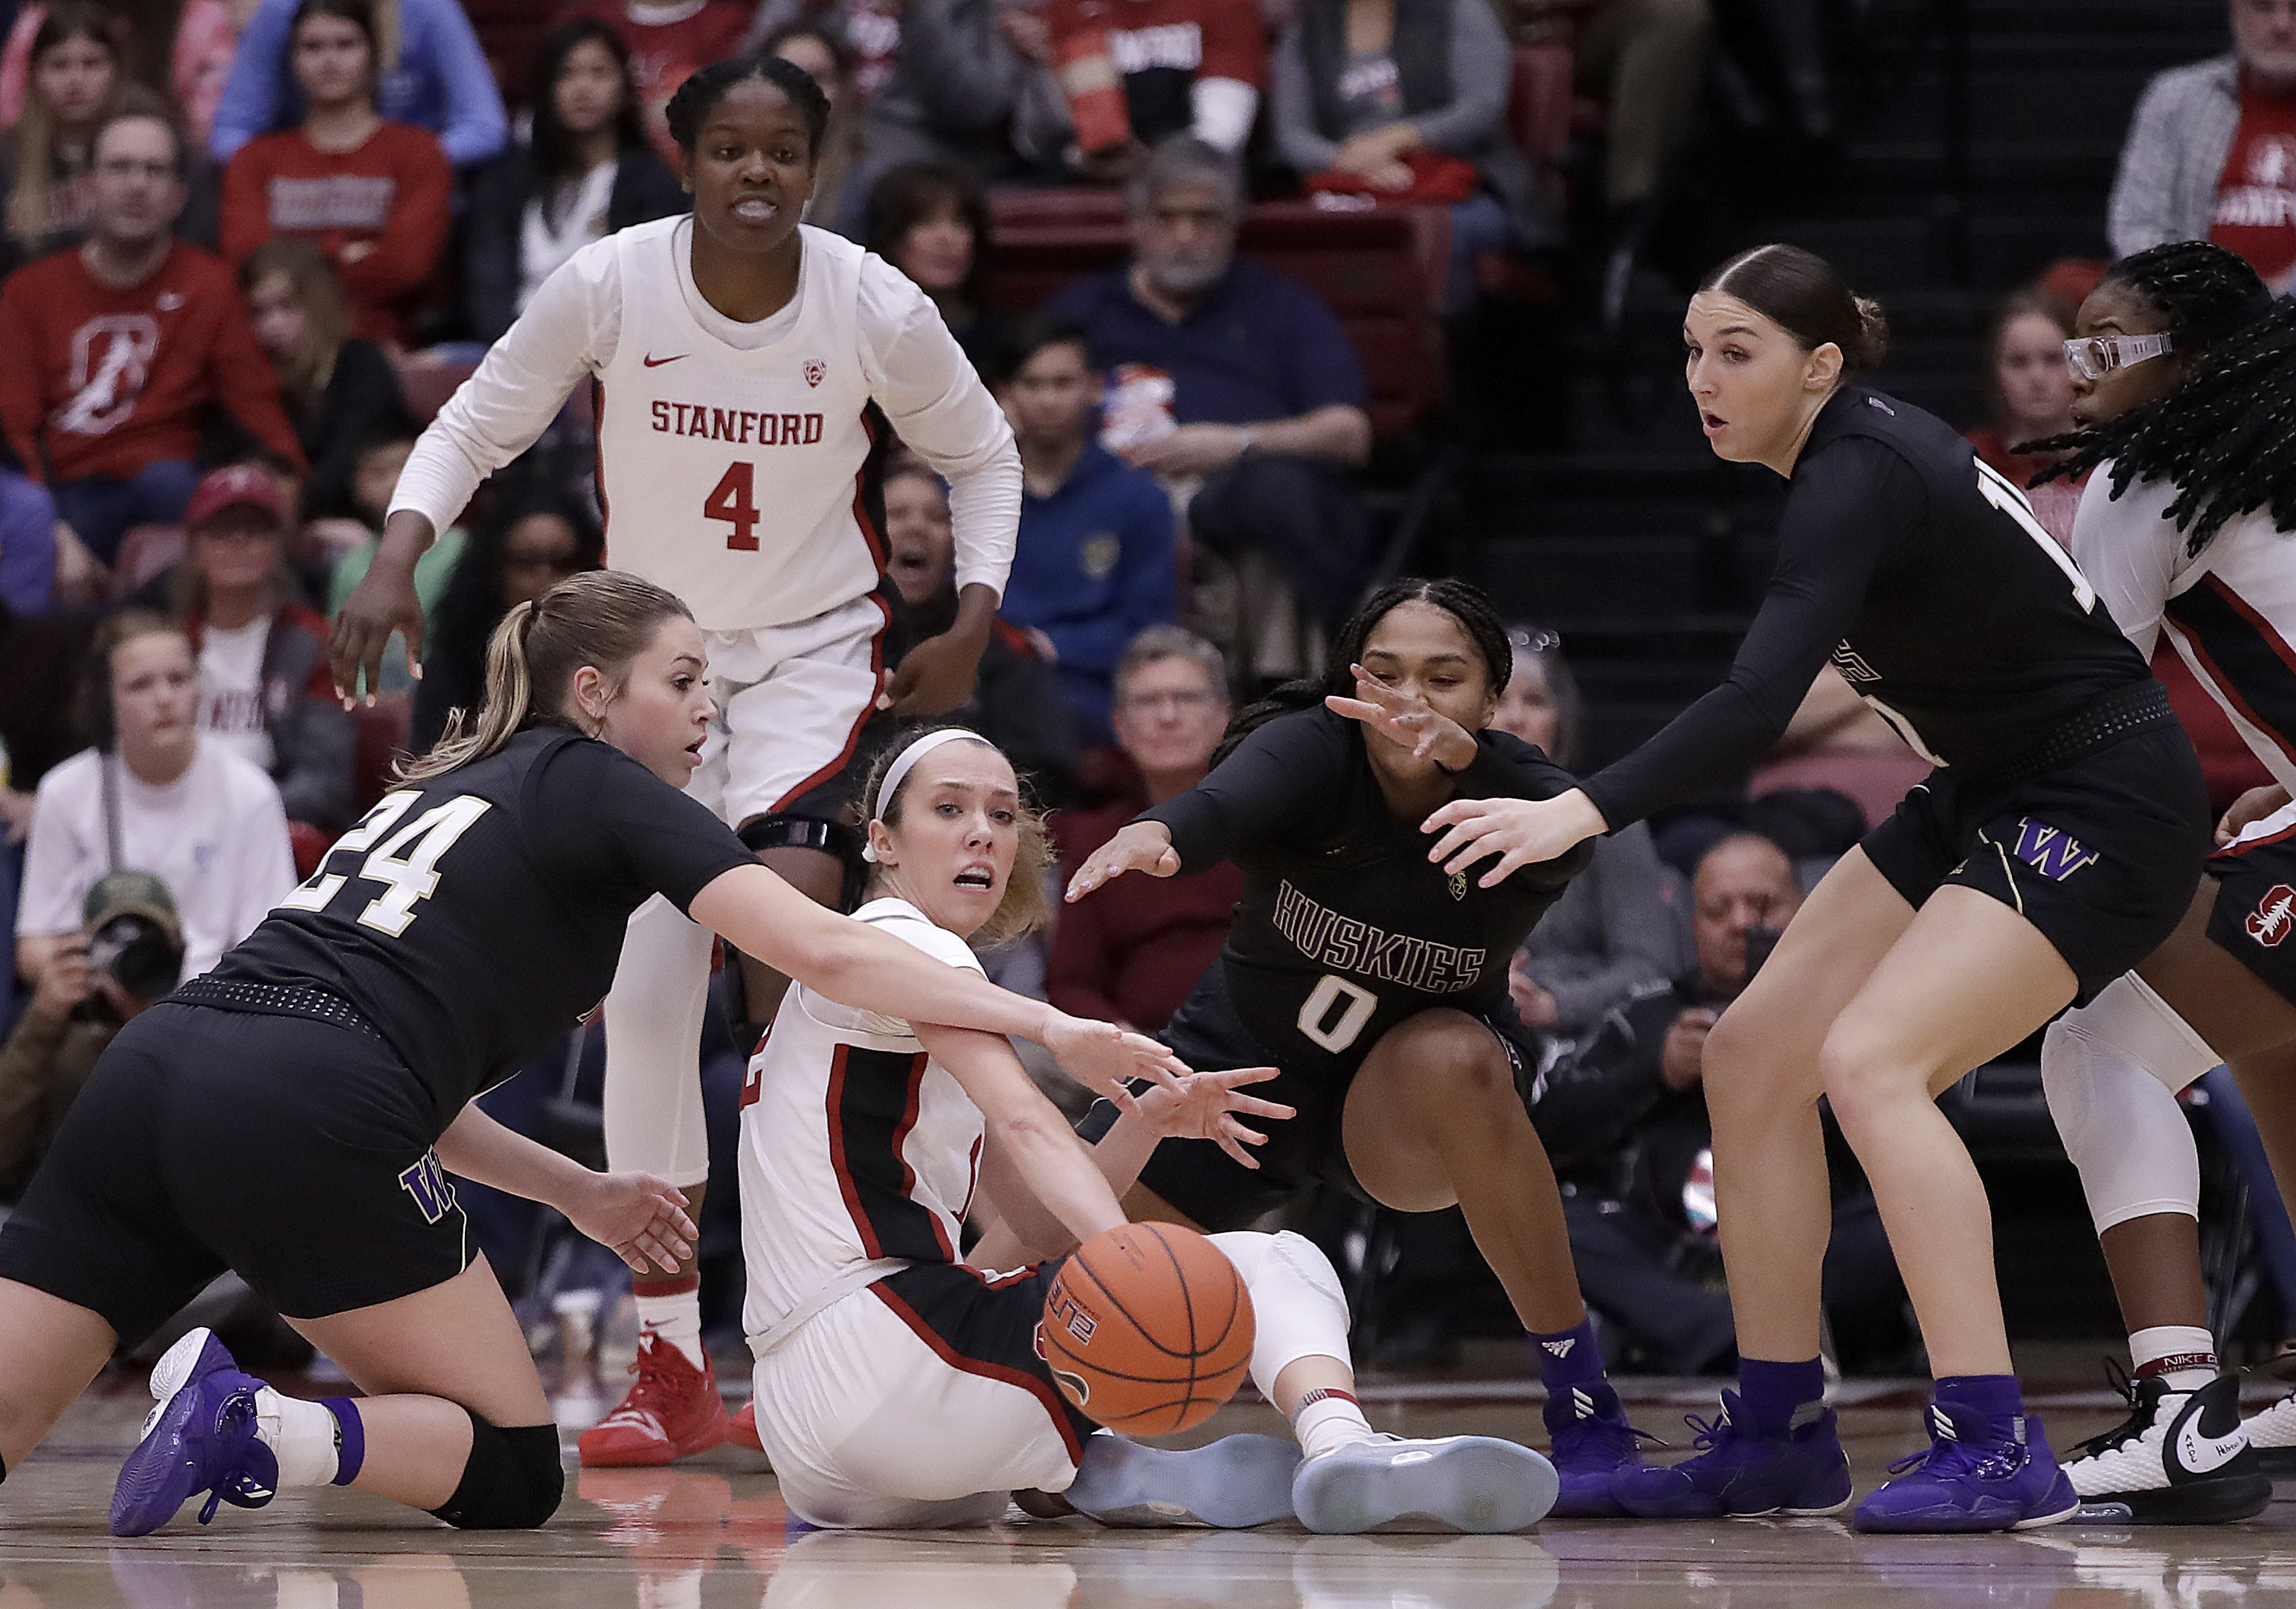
x: 2200, y: 1454
x: 653, y: 362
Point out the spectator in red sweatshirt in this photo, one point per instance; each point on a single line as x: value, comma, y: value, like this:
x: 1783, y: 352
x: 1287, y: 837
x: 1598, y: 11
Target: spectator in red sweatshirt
x: 115, y: 349
x: 1131, y: 953
x: 374, y: 194
x: 667, y: 40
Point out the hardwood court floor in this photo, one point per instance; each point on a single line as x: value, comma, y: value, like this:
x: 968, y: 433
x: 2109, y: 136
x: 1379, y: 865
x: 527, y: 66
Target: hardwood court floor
x: 710, y: 1534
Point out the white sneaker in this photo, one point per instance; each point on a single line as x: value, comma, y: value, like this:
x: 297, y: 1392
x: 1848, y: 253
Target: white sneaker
x: 1233, y: 1483
x: 2272, y: 1435
x: 2179, y: 1459
x: 1476, y: 1484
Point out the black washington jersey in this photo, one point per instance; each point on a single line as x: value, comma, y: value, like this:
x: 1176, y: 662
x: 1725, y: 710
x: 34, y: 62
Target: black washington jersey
x: 1924, y: 578
x: 472, y: 918
x: 1346, y: 928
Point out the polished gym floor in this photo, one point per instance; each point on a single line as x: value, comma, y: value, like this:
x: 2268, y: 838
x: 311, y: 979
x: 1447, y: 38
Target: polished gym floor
x: 712, y: 1533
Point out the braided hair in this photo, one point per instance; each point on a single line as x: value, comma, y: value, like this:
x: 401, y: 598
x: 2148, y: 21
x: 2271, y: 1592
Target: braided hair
x: 2211, y: 433
x: 698, y: 95
x: 1461, y: 601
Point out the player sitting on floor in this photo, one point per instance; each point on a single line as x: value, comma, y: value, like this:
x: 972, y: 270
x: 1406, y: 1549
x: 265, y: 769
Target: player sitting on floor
x: 897, y: 1386
x: 293, y: 1113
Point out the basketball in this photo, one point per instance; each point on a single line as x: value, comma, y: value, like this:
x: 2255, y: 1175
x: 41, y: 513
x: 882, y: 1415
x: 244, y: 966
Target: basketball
x: 1148, y: 1329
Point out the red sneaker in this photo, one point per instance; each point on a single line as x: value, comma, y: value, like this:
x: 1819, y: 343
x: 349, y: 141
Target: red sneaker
x: 673, y: 1410
x: 742, y: 1428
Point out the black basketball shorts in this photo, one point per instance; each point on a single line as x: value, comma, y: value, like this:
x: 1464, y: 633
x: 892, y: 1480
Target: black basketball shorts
x: 296, y: 1152
x: 1204, y: 1183
x: 2100, y: 854
x: 2254, y: 917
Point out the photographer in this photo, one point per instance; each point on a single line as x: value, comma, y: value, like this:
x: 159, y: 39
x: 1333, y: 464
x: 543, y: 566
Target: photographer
x: 1637, y: 1184
x: 151, y: 795
x: 127, y: 954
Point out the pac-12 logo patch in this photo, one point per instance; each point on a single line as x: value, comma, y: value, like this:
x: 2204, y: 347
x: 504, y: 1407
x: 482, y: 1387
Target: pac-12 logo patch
x: 2273, y: 917
x: 426, y: 1181
x: 2049, y: 851
x: 815, y: 371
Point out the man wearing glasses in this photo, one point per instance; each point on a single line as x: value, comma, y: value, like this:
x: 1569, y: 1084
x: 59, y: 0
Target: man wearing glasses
x: 116, y: 348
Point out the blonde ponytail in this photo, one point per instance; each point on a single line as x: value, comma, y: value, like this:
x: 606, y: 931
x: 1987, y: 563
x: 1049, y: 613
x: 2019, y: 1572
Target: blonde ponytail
x: 602, y: 617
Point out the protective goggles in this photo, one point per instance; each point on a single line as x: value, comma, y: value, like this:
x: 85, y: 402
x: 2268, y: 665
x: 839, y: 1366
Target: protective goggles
x: 2093, y: 356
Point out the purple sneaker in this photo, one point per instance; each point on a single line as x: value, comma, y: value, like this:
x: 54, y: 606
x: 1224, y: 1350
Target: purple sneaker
x: 1973, y: 1479
x: 1741, y: 1475
x: 1592, y: 1442
x: 201, y: 1438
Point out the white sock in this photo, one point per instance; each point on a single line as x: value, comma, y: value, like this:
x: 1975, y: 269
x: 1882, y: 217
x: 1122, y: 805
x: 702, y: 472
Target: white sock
x: 1326, y: 1419
x: 676, y: 1319
x: 2189, y: 1351
x: 301, y: 1435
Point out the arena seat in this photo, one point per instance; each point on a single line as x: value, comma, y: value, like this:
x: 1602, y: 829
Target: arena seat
x: 1380, y: 270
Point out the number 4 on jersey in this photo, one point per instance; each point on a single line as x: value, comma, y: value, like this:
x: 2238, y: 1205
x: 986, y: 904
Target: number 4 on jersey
x: 407, y: 862
x: 735, y: 499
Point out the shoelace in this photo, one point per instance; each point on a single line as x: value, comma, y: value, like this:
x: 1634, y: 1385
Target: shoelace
x: 1994, y: 1461
x: 1711, y: 1433
x: 2128, y: 1430
x: 241, y: 1487
x: 1631, y: 1437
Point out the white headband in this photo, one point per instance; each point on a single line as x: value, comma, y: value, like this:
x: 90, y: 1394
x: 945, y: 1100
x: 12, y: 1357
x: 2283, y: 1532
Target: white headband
x: 898, y: 771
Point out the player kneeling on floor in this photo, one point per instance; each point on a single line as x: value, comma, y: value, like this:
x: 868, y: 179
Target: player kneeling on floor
x: 293, y: 1113
x: 898, y: 1386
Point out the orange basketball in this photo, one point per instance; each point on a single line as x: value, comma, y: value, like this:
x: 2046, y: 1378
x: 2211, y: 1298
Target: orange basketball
x: 1147, y: 1328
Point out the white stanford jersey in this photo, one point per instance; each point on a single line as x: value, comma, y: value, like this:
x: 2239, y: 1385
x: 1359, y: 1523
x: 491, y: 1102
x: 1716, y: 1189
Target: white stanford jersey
x: 2231, y: 612
x: 730, y: 454
x: 856, y: 1145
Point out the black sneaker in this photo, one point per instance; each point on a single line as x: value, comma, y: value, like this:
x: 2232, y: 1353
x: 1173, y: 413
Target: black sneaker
x: 2179, y: 1459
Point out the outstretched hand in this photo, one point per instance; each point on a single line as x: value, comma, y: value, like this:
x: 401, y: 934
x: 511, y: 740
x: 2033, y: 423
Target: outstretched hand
x: 1204, y: 1106
x: 1520, y: 832
x: 1107, y: 1060
x: 383, y: 601
x: 640, y: 1218
x: 1406, y: 721
x: 1143, y: 846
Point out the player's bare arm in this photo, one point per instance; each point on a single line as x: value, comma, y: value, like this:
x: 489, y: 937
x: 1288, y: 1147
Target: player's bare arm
x: 855, y: 965
x: 1029, y: 1130
x: 640, y: 1218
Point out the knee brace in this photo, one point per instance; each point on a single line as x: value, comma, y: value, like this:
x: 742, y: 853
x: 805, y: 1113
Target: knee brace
x: 2111, y: 1071
x: 833, y: 837
x: 513, y: 1481
x: 1298, y: 1306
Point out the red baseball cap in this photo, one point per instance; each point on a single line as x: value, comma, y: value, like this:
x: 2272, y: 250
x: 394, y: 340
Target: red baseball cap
x: 237, y: 484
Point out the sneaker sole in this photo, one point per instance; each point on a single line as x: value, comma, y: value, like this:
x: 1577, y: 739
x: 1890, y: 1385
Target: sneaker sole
x: 2211, y: 1502
x: 159, y: 1476
x: 195, y: 1355
x: 1951, y: 1523
x: 1232, y: 1484
x: 2275, y: 1460
x: 1713, y: 1509
x: 1473, y: 1483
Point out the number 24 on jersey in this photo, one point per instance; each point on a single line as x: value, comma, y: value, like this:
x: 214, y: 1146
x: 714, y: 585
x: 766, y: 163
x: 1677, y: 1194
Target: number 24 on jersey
x: 404, y: 862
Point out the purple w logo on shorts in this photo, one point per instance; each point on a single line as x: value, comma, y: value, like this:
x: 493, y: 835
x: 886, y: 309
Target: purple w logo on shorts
x: 426, y: 1181
x: 2054, y: 854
